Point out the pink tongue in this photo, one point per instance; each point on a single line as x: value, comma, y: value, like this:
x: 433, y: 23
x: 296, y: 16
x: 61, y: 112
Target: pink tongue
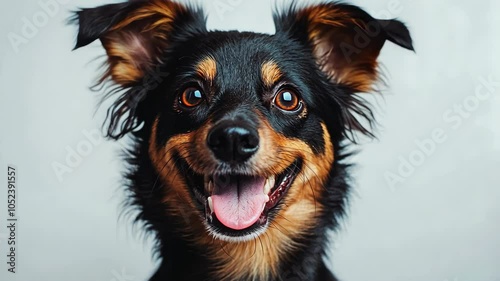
x: 238, y: 201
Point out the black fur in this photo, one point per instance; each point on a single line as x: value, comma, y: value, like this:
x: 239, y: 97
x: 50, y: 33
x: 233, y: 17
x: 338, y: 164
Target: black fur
x: 237, y: 87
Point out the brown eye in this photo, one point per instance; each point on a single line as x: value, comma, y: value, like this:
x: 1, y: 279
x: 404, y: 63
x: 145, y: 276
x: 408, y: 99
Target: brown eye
x: 191, y: 97
x: 287, y: 100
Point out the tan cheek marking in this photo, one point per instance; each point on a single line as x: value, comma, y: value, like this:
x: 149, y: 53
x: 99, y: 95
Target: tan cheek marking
x: 207, y: 68
x: 177, y: 199
x: 316, y: 167
x: 270, y: 73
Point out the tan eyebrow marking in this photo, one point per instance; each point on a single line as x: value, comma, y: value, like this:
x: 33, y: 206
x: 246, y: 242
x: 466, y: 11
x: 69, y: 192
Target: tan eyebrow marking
x: 207, y: 68
x: 270, y: 73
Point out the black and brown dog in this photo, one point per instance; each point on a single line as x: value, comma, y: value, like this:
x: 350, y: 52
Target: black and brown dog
x: 238, y: 163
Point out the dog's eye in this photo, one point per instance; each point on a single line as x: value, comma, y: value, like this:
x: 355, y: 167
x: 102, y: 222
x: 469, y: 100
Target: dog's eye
x: 191, y: 97
x: 287, y: 100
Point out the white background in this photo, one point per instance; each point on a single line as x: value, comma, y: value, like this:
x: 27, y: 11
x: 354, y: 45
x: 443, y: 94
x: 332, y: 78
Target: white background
x: 441, y: 223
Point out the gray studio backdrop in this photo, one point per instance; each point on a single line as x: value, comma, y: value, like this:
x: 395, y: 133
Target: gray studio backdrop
x: 425, y: 204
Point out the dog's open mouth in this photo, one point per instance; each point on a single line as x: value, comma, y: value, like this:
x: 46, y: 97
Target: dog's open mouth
x: 238, y: 205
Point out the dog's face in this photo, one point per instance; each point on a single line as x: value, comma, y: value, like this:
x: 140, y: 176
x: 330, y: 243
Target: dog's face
x: 241, y: 133
x: 242, y: 127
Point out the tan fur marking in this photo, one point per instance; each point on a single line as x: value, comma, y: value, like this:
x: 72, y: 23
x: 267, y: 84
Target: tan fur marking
x: 122, y: 70
x: 270, y: 73
x: 177, y: 199
x: 207, y: 68
x: 325, y: 15
x: 256, y: 259
x: 165, y: 12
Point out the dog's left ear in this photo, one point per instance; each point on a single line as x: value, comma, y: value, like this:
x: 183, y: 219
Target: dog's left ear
x: 344, y: 40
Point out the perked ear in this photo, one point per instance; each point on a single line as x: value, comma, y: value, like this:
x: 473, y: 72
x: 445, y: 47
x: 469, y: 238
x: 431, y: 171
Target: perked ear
x: 344, y: 39
x: 136, y: 34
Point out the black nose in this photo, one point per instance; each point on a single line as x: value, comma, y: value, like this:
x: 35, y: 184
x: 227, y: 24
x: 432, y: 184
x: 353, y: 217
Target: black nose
x: 232, y: 142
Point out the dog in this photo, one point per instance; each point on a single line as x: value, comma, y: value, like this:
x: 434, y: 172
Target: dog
x: 239, y: 141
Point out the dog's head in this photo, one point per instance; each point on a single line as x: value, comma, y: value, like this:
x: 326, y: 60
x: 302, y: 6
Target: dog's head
x: 243, y: 129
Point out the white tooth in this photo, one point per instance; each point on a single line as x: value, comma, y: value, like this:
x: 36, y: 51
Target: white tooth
x: 210, y: 186
x: 210, y: 205
x: 269, y: 185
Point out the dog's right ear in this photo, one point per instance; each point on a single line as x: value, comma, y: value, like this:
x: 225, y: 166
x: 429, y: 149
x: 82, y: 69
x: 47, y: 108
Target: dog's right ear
x: 136, y: 34
x: 344, y: 39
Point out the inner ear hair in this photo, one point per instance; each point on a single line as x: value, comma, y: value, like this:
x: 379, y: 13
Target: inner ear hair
x: 134, y: 34
x: 345, y: 40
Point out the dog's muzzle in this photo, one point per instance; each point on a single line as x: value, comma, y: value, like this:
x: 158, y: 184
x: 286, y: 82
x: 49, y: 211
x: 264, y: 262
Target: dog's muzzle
x: 237, y: 199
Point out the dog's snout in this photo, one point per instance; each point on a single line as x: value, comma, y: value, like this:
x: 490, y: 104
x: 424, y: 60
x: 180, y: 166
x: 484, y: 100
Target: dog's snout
x: 233, y: 142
